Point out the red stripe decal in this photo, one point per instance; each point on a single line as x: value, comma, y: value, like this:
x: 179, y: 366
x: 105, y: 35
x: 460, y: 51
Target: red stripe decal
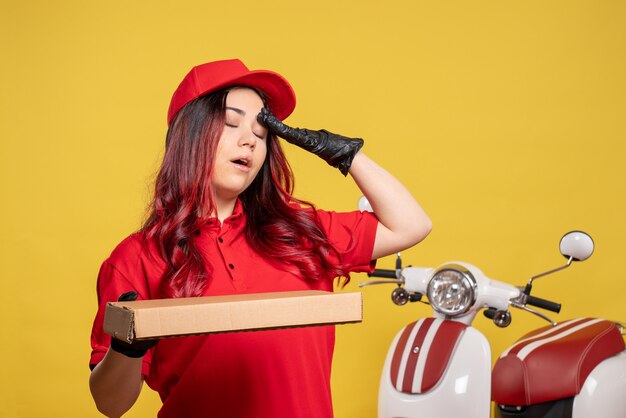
x: 440, y: 352
x: 397, y: 355
x: 409, y: 371
x: 519, y: 346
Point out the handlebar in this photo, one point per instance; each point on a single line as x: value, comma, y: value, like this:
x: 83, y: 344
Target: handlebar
x: 543, y: 304
x: 389, y: 274
x: 500, y: 317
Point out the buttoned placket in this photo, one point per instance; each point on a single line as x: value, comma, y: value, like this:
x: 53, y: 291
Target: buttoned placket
x: 225, y: 237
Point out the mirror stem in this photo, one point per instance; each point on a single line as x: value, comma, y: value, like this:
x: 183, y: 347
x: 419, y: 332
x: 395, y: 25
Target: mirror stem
x: 529, y: 286
x: 398, y: 264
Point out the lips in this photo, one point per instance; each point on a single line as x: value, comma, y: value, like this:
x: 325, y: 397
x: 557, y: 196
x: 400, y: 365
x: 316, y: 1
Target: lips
x: 242, y: 162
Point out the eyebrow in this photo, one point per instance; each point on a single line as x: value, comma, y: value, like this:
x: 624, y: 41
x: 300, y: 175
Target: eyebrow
x: 234, y: 109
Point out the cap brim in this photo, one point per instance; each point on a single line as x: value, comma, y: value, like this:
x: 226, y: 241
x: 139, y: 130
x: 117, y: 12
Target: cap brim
x: 281, y: 99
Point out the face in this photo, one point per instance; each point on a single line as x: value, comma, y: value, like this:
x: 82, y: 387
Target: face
x: 242, y: 147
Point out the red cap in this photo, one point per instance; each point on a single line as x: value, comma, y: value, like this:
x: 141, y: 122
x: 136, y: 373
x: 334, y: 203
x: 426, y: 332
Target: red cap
x: 207, y: 78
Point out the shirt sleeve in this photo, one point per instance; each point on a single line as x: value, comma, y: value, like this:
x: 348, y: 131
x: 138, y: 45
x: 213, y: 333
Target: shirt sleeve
x: 112, y: 282
x: 352, y: 234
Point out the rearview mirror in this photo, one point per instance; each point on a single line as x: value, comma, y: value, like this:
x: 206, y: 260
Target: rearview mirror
x: 576, y: 244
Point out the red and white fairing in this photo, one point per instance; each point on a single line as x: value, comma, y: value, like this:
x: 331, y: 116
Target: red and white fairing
x: 436, y: 358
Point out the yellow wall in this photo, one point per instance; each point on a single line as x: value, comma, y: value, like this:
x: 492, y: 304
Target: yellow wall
x: 504, y: 118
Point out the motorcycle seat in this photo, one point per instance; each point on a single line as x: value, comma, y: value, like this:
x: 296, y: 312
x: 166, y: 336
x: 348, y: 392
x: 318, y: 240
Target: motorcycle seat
x: 552, y: 363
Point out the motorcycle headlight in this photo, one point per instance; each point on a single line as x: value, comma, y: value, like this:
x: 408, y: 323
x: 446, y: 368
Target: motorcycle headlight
x: 452, y: 290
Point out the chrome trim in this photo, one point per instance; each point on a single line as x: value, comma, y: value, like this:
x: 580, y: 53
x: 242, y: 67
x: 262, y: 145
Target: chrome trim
x: 532, y: 279
x: 531, y: 310
x: 382, y: 281
x: 467, y: 276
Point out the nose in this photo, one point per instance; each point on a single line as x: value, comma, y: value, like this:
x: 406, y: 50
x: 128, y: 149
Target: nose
x: 248, y: 139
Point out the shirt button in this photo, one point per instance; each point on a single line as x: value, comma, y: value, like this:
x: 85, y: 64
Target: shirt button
x: 231, y: 266
x: 220, y: 239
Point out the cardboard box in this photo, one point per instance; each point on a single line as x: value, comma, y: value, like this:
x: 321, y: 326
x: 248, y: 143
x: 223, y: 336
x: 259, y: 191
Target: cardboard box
x: 186, y: 316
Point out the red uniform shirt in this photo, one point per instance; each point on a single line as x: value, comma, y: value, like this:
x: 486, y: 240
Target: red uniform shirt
x: 261, y: 374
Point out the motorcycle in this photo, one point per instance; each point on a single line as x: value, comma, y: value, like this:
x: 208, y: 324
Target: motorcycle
x: 441, y: 366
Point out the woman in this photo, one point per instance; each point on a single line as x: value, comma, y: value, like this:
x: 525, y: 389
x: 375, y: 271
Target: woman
x: 223, y: 221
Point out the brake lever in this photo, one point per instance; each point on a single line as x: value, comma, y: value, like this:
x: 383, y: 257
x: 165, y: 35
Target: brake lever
x: 527, y: 309
x: 388, y: 281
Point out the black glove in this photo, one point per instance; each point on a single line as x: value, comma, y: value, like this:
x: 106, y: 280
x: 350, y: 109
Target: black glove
x: 135, y: 349
x: 336, y: 150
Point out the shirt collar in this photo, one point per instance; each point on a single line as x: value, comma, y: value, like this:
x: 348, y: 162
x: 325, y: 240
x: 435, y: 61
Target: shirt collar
x: 236, y: 219
x: 237, y: 214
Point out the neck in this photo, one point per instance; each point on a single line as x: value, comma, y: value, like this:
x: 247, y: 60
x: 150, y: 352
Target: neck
x: 224, y: 208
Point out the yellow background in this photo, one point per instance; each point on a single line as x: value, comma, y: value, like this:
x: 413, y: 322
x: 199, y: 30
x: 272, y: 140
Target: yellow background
x: 506, y: 119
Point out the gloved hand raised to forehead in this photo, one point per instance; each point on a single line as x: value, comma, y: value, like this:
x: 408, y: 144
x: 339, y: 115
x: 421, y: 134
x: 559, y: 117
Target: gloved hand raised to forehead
x: 336, y: 150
